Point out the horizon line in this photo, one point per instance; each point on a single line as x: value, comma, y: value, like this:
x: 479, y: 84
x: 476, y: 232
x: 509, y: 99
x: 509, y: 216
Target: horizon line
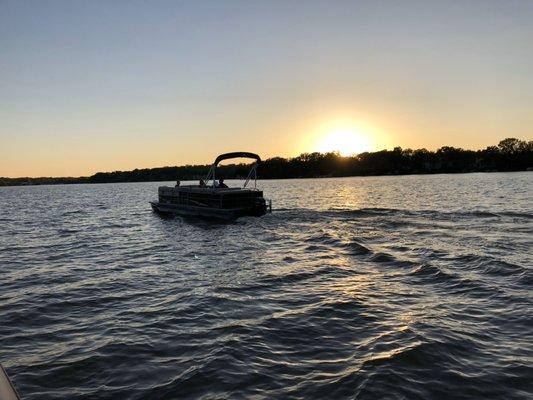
x: 266, y: 159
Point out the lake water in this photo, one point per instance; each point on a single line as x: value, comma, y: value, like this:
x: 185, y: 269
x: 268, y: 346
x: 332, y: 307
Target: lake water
x: 404, y: 287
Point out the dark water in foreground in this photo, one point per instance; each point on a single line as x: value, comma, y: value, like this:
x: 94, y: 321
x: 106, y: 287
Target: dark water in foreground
x: 388, y: 287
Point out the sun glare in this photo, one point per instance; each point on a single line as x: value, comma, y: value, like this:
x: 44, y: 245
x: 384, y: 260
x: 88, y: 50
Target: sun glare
x: 346, y: 142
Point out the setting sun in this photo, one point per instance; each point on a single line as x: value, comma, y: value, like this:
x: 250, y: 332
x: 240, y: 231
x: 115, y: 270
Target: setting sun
x: 346, y: 142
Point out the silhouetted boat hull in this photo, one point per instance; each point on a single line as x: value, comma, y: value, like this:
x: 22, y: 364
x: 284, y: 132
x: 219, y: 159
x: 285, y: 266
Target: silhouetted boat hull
x: 209, y: 212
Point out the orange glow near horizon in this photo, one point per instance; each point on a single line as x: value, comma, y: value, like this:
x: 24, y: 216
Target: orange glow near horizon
x: 346, y: 136
x: 346, y: 142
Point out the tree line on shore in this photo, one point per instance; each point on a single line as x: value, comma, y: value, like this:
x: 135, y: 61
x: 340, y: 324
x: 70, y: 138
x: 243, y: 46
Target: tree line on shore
x: 509, y: 155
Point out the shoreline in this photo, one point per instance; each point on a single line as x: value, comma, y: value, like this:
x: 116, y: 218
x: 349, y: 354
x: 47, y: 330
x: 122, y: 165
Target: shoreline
x: 510, y: 155
x: 85, y: 180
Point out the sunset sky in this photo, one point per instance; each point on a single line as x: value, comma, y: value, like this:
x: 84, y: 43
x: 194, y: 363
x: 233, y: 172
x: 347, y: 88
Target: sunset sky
x: 88, y: 86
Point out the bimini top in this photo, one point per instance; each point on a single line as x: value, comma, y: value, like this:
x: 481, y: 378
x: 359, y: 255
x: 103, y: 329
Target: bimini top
x: 236, y: 154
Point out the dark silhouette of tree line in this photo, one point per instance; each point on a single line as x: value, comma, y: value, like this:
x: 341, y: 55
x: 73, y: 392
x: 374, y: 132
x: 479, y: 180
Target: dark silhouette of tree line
x: 509, y: 155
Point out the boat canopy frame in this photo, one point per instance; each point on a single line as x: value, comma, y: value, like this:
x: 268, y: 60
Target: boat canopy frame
x: 211, y: 175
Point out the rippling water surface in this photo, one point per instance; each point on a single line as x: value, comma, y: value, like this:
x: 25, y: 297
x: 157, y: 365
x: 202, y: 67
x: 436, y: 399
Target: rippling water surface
x: 383, y: 287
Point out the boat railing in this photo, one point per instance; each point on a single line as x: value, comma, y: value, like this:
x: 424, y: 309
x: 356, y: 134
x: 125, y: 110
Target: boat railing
x: 253, y: 172
x: 210, y: 180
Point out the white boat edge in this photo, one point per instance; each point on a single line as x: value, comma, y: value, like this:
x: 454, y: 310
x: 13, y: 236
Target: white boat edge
x: 7, y: 390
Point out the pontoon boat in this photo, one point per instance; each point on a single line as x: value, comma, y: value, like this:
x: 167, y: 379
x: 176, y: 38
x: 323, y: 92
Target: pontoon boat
x: 210, y: 200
